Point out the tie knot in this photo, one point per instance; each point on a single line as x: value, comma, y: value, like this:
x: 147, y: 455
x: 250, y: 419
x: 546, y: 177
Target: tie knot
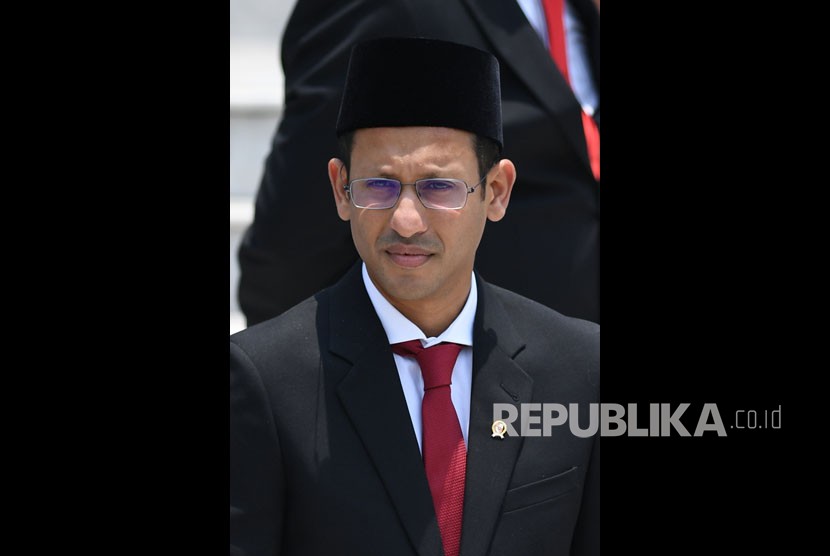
x: 436, y: 362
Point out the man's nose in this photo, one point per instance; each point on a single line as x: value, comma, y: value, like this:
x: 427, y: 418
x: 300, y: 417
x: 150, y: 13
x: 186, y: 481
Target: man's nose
x: 409, y: 214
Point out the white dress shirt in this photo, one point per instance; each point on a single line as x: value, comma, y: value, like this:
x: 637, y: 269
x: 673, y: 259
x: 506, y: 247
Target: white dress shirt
x: 398, y: 329
x: 579, y: 68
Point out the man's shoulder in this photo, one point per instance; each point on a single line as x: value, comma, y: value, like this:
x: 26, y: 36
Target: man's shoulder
x: 528, y: 309
x: 540, y: 325
x: 561, y: 353
x: 297, y: 328
x: 301, y: 329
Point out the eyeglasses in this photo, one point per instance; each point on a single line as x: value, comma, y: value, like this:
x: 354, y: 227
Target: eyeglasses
x: 434, y: 193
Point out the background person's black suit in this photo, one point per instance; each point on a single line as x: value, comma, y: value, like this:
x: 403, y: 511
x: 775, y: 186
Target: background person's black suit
x: 546, y: 248
x: 324, y: 459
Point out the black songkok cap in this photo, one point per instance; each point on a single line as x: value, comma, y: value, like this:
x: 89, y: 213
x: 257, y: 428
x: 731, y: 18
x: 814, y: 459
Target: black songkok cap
x: 397, y: 82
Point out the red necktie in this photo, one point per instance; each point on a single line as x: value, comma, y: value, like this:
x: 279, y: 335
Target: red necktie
x: 445, y: 456
x: 554, y: 14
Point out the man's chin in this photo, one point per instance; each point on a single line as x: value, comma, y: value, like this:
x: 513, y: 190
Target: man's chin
x: 406, y: 287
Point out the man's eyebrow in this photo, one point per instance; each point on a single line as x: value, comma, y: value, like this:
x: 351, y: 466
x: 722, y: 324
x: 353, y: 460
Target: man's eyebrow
x: 426, y: 176
x: 430, y: 173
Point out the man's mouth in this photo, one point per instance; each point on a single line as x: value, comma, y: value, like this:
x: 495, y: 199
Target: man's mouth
x: 408, y: 256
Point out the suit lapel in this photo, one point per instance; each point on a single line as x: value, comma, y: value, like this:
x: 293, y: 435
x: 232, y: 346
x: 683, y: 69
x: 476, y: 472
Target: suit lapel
x: 519, y: 46
x: 490, y: 461
x: 373, y: 399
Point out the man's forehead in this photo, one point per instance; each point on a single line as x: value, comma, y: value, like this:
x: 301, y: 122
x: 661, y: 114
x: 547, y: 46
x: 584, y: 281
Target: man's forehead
x: 433, y: 143
x: 426, y: 150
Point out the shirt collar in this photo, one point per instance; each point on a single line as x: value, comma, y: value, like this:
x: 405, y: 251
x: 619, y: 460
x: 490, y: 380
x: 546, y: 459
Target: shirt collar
x: 398, y: 328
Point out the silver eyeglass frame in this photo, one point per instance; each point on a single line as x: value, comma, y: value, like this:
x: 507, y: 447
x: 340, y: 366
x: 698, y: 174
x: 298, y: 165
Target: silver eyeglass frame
x: 470, y: 189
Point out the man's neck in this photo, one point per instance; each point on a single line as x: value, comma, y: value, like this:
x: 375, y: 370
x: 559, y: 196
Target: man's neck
x: 432, y: 317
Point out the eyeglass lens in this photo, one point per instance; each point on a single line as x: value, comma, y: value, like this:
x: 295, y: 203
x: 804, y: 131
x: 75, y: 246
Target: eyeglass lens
x: 378, y: 193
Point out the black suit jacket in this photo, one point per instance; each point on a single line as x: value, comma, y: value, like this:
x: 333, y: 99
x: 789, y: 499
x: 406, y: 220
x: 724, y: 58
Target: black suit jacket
x: 547, y: 246
x: 324, y: 460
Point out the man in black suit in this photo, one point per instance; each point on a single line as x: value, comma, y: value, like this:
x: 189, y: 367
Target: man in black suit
x: 344, y: 440
x: 547, y: 248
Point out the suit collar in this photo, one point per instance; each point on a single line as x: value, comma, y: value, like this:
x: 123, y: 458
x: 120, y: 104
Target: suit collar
x: 353, y: 323
x: 355, y: 326
x: 519, y: 47
x: 399, y: 328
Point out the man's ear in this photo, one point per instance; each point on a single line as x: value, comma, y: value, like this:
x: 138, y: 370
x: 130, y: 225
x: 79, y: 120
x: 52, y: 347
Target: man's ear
x: 338, y: 177
x: 499, y: 189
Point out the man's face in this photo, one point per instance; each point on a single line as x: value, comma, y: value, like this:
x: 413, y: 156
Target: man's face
x: 414, y: 253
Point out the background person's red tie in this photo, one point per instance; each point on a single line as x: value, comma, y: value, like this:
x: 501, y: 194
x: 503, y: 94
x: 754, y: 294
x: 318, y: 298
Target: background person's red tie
x: 554, y: 15
x: 445, y: 456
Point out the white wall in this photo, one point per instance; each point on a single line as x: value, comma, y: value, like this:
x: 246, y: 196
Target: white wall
x: 256, y: 98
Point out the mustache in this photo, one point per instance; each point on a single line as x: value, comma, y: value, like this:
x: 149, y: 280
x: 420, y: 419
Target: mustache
x: 391, y: 238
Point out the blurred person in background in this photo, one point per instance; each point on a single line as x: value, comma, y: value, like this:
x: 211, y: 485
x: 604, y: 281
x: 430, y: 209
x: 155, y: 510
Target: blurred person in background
x: 547, y: 248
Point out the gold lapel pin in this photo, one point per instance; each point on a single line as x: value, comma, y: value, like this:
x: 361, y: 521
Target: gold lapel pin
x: 498, y: 428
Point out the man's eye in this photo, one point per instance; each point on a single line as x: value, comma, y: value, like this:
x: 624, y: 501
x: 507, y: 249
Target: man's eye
x: 437, y: 185
x: 381, y: 185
